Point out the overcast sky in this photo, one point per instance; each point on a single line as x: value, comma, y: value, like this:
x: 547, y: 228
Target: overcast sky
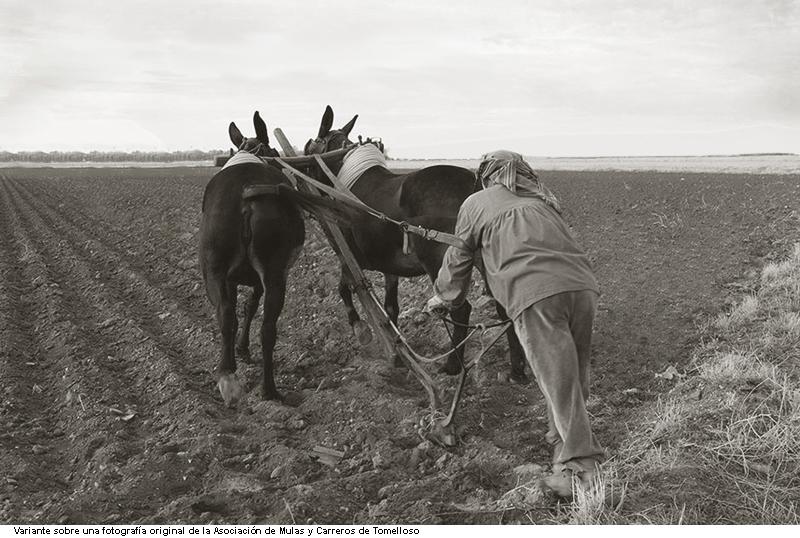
x: 433, y: 79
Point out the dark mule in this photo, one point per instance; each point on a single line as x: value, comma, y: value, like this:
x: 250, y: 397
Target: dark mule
x: 252, y: 242
x: 430, y: 197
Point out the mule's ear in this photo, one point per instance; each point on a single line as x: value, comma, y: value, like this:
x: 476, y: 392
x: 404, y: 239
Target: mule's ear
x: 261, y: 129
x: 235, y: 134
x: 326, y: 123
x: 349, y: 127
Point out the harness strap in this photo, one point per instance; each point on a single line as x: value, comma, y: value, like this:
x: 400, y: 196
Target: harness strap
x: 336, y: 183
x: 322, y: 207
x: 347, y: 198
x: 242, y: 157
x: 406, y: 245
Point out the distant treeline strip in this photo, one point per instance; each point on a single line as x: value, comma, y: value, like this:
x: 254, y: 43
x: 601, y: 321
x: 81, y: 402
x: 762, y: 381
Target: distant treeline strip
x: 110, y: 156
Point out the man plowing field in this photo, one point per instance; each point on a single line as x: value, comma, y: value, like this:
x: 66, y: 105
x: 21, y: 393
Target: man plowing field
x: 537, y: 271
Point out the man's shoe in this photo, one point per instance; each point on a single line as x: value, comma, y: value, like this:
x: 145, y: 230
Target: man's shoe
x: 566, y: 483
x: 560, y: 483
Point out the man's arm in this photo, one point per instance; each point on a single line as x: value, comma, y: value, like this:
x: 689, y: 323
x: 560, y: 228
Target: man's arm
x: 455, y: 275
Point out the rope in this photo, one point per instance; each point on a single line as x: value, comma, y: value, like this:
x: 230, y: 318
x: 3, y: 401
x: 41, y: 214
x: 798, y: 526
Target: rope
x: 479, y: 325
x: 483, y: 328
x: 474, y: 329
x: 485, y: 347
x: 423, y: 358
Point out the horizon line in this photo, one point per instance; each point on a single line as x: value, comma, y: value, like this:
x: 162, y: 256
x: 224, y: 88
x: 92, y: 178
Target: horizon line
x: 621, y: 156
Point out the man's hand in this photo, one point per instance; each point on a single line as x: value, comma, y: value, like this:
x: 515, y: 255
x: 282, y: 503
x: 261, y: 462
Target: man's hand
x: 436, y: 306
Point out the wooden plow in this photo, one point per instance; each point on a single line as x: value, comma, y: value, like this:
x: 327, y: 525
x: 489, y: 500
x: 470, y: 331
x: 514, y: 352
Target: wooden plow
x: 440, y: 426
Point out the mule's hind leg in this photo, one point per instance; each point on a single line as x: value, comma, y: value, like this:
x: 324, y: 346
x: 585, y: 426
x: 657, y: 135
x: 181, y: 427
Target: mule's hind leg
x: 515, y: 352
x: 275, y: 286
x: 431, y: 257
x: 243, y: 337
x: 360, y: 328
x: 390, y: 302
x: 391, y: 305
x: 455, y: 359
x: 222, y: 295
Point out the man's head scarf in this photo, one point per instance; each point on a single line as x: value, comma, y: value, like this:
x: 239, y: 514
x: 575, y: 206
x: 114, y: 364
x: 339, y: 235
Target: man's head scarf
x: 510, y: 170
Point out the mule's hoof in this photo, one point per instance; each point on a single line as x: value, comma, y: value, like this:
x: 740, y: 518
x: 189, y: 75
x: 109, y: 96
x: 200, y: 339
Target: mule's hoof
x: 244, y: 354
x: 273, y: 395
x: 363, y: 332
x: 450, y: 368
x: 230, y: 389
x: 293, y: 399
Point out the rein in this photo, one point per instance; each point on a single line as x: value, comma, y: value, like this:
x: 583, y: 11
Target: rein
x: 482, y: 328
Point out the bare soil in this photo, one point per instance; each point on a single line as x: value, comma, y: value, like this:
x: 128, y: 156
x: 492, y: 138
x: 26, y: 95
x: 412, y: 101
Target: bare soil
x: 108, y: 408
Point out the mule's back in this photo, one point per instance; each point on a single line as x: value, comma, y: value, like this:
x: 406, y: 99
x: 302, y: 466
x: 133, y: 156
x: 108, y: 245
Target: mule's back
x: 436, y: 191
x: 224, y: 191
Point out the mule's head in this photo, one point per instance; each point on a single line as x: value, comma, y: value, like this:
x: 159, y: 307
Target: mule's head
x: 330, y: 139
x: 258, y: 146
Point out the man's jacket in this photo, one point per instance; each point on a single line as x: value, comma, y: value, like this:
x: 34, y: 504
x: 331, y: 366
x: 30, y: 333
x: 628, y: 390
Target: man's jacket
x: 527, y: 249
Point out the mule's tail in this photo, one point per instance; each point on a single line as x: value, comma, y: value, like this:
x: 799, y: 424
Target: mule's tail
x: 247, y: 229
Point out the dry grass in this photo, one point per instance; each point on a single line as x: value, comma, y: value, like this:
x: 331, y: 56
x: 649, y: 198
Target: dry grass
x: 599, y: 503
x: 785, y: 272
x: 723, y: 446
x: 735, y: 368
x: 745, y: 312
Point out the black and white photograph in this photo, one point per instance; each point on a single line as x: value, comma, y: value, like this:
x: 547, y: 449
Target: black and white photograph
x: 393, y: 267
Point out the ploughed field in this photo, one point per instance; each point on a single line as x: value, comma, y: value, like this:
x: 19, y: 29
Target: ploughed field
x: 109, y: 411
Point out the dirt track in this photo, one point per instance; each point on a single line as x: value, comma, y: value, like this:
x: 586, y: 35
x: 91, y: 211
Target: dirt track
x: 108, y: 409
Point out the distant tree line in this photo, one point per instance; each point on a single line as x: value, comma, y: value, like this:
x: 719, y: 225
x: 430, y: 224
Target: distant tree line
x: 109, y: 156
